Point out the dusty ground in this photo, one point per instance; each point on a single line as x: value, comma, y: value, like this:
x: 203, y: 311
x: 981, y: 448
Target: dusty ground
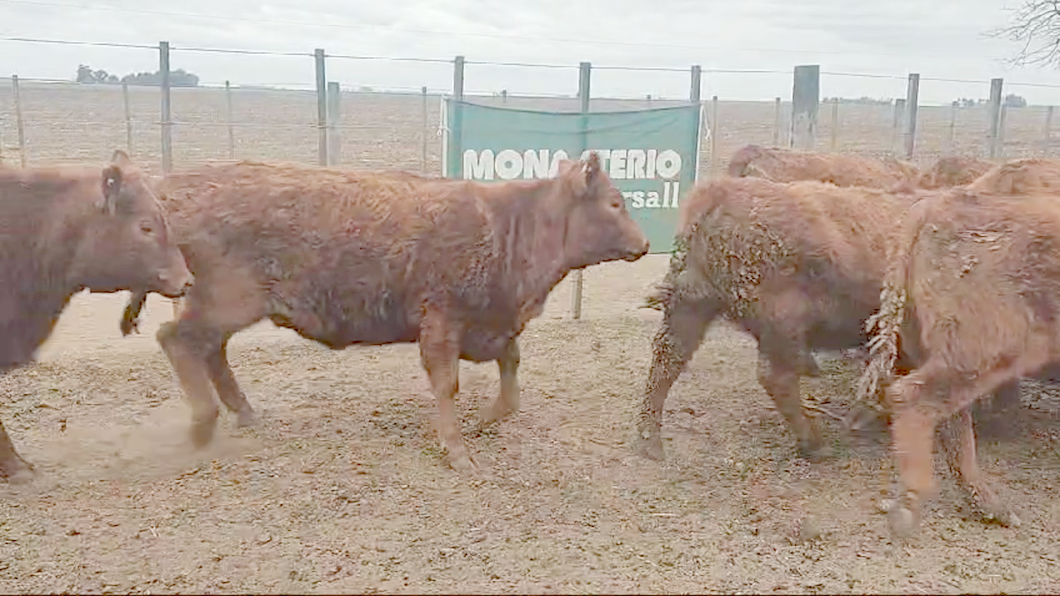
x: 342, y: 489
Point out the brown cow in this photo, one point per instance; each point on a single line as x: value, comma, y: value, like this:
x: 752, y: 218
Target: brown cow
x: 971, y: 303
x: 789, y: 165
x: 63, y: 230
x: 954, y: 171
x: 346, y: 258
x: 799, y: 266
x: 1020, y: 176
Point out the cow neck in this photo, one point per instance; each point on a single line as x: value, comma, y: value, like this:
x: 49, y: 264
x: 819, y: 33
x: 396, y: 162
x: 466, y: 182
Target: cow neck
x: 534, y: 244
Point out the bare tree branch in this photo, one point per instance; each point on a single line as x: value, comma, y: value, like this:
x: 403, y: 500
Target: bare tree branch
x: 1035, y: 25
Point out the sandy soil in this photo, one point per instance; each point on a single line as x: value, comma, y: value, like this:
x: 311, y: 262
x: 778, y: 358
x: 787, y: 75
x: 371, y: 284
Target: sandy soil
x: 341, y: 488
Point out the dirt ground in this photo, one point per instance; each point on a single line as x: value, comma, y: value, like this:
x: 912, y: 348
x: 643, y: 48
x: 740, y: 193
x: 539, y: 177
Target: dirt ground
x: 341, y: 487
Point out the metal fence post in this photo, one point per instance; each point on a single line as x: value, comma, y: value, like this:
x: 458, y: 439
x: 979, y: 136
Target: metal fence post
x: 423, y: 157
x: 776, y: 122
x: 334, y: 120
x: 20, y: 126
x: 322, y: 107
x: 912, y: 100
x: 167, y: 132
x: 128, y: 117
x: 584, y: 77
x: 231, y: 128
x: 834, y: 140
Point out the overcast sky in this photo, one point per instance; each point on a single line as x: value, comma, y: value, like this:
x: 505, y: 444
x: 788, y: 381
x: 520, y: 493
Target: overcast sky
x: 937, y: 38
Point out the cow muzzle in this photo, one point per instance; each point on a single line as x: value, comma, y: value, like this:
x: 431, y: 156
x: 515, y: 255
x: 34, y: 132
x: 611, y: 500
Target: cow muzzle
x: 176, y: 286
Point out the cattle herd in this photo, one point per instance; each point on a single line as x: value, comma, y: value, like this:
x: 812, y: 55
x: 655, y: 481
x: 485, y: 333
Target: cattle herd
x: 945, y: 282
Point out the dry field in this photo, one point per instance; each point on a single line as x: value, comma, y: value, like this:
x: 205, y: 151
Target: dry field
x: 341, y: 487
x: 71, y: 122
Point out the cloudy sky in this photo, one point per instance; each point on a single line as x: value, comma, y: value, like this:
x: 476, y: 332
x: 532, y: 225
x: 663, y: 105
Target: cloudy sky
x: 937, y: 38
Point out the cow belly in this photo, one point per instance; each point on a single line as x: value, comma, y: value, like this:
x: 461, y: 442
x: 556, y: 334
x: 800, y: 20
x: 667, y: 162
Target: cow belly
x: 339, y: 325
x: 483, y: 346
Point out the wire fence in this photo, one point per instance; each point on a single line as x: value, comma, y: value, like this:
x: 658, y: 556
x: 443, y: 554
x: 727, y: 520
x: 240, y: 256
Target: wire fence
x: 53, y: 120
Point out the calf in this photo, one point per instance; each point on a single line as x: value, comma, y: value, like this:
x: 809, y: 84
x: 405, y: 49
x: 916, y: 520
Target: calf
x: 348, y: 258
x: 799, y: 266
x: 971, y: 303
x: 63, y: 230
x: 790, y: 165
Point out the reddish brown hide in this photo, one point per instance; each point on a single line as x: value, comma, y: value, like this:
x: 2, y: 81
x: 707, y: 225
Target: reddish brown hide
x: 348, y: 258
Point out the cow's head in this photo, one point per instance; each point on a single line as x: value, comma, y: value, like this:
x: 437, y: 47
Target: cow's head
x: 128, y: 243
x: 598, y: 226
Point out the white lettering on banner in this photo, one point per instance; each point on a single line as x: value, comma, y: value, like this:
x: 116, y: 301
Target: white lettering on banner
x: 621, y: 164
x: 510, y: 164
x: 649, y: 199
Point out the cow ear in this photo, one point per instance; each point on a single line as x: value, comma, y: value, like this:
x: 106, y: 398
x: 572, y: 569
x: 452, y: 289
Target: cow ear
x: 120, y: 158
x: 582, y: 173
x: 112, y: 179
x: 590, y: 170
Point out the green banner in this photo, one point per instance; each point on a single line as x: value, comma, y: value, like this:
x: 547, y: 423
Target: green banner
x: 652, y: 155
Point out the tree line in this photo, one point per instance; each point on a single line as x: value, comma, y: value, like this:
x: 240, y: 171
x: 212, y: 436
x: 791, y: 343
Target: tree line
x: 177, y: 78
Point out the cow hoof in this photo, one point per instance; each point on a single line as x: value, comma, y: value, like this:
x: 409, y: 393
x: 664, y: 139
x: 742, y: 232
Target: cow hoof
x: 16, y: 471
x: 812, y: 451
x: 649, y: 445
x: 202, y: 432
x: 1004, y: 517
x: 246, y: 418
x: 902, y: 520
x: 463, y: 462
x: 491, y: 416
x: 128, y: 326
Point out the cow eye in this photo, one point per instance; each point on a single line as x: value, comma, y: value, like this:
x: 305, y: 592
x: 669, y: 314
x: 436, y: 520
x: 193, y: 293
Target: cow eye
x: 147, y: 228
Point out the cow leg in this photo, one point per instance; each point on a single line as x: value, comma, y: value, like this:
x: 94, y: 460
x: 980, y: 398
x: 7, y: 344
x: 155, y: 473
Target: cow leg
x: 958, y: 440
x: 684, y: 324
x: 808, y: 365
x: 130, y: 320
x: 1007, y: 397
x: 778, y: 373
x: 227, y: 387
x: 440, y: 356
x: 184, y: 345
x: 12, y: 467
x: 212, y: 311
x: 507, y: 400
x: 922, y: 398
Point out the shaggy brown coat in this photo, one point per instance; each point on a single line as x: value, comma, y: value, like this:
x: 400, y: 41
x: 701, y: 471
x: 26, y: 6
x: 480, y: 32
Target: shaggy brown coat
x: 67, y: 229
x: 972, y: 302
x: 954, y: 171
x: 348, y: 258
x: 799, y: 266
x: 789, y: 165
x: 1020, y: 176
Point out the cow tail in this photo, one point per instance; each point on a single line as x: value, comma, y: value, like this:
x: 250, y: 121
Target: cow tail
x: 884, y: 327
x: 663, y: 292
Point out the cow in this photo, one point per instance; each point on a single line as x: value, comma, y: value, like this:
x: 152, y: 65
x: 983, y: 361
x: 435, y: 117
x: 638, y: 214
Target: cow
x: 1020, y: 176
x: 1016, y: 177
x: 67, y: 229
x: 970, y: 303
x: 799, y: 266
x: 789, y: 165
x: 345, y: 258
x: 953, y: 171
